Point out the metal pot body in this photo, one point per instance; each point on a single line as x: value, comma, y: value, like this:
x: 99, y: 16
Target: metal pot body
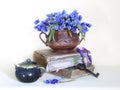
x: 62, y: 42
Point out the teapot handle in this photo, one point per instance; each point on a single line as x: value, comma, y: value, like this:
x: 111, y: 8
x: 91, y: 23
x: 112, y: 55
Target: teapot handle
x: 40, y: 36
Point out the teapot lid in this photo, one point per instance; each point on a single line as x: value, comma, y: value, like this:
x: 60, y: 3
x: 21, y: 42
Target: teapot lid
x: 28, y: 64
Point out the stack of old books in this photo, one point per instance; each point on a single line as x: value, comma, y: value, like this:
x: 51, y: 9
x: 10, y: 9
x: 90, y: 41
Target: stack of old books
x: 61, y: 64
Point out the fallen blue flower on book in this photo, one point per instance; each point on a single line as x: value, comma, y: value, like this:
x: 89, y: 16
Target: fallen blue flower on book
x: 86, y: 55
x: 85, y: 61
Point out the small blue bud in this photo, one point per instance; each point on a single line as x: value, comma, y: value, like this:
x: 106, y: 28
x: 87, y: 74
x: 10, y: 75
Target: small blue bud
x: 89, y: 25
x: 47, y: 81
x: 36, y: 22
x: 54, y: 81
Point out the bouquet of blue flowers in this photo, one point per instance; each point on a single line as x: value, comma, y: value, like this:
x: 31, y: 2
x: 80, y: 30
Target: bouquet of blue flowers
x: 62, y: 21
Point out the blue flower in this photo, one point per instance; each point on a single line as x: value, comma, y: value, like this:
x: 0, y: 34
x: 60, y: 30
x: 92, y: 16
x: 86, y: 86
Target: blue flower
x: 60, y: 21
x: 63, y: 26
x: 79, y: 17
x: 52, y: 81
x: 88, y: 25
x: 63, y: 21
x: 47, y: 81
x: 41, y: 27
x: 74, y: 23
x: 85, y: 27
x: 36, y: 22
x: 74, y: 30
x: 63, y: 13
x: 81, y: 52
x: 69, y: 27
x: 74, y: 14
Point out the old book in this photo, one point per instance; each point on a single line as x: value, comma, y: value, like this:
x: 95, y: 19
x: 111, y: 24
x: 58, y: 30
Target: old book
x: 53, y: 61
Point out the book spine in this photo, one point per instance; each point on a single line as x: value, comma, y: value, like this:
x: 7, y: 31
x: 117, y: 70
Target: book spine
x: 63, y: 62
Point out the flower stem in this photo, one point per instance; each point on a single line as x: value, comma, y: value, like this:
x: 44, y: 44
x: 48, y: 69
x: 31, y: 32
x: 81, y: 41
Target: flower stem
x: 51, y: 35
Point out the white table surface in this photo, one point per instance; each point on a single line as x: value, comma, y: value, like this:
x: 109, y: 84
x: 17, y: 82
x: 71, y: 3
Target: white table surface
x: 109, y: 78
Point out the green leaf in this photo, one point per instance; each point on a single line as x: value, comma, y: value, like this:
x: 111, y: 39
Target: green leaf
x: 82, y: 38
x: 79, y: 28
x: 70, y: 33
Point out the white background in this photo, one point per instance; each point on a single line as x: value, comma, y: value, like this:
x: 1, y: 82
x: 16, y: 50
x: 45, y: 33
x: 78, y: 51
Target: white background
x: 18, y: 38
